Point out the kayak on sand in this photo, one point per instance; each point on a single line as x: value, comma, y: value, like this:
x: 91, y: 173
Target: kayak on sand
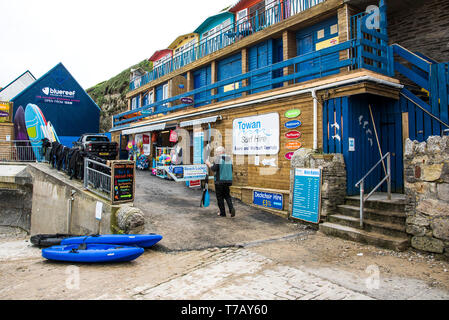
x: 140, y: 240
x: 92, y: 253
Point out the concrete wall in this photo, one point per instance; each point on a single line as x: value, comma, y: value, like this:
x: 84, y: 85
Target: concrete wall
x: 424, y: 29
x: 16, y: 198
x: 50, y: 205
x: 427, y: 190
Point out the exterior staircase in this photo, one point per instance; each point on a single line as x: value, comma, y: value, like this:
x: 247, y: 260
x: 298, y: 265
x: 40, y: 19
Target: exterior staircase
x: 384, y: 222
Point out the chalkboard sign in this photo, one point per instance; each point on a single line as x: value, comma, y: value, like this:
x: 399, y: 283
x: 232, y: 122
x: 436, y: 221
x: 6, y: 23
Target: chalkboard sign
x: 307, y: 195
x: 123, y: 181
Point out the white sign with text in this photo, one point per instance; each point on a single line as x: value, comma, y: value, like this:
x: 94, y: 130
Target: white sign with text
x: 256, y: 135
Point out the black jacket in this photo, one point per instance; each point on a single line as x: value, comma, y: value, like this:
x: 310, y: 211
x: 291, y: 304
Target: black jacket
x: 216, y: 168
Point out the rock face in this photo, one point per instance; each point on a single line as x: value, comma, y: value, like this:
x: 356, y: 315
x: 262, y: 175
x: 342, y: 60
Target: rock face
x: 110, y: 95
x: 333, y: 190
x: 426, y: 167
x: 130, y: 220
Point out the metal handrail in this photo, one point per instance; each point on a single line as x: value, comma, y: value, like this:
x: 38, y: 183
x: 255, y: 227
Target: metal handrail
x: 95, y: 180
x: 361, y: 183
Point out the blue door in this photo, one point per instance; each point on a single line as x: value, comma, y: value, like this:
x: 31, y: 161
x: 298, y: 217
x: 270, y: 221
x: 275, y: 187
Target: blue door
x: 349, y: 118
x: 228, y: 68
x: 202, y: 78
x: 304, y: 46
x: 260, y: 56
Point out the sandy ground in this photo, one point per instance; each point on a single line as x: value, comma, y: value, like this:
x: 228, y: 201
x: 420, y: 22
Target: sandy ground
x: 195, y: 240
x: 24, y: 274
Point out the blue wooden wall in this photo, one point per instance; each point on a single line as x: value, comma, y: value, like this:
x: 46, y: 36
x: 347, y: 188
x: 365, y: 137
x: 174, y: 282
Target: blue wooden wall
x: 306, y: 41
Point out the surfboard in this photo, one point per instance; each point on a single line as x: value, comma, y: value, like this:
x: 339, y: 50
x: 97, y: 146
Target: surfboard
x: 52, y: 132
x: 92, y: 253
x: 34, y: 120
x: 140, y: 240
x: 22, y: 143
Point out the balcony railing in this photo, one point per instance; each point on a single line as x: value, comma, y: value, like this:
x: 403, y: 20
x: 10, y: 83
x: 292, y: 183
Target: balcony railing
x: 275, y: 12
x: 364, y: 53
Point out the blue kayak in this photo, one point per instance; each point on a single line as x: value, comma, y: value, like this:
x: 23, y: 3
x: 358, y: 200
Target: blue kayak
x: 140, y: 240
x: 91, y: 253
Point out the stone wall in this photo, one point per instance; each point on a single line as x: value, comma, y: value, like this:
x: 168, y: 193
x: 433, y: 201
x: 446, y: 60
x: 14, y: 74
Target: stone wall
x: 426, y: 167
x: 423, y: 29
x: 333, y: 191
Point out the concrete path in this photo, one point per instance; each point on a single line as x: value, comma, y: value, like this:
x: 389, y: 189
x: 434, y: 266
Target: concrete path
x: 239, y: 274
x: 174, y: 210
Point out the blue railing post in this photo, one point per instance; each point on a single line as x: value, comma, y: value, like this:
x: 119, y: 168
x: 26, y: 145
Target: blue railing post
x: 360, y: 46
x: 390, y: 57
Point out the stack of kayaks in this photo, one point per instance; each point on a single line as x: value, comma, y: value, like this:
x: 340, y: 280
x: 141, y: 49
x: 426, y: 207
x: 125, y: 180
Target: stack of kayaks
x: 102, y: 248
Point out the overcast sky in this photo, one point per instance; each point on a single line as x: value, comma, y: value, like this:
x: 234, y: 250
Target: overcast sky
x: 94, y: 39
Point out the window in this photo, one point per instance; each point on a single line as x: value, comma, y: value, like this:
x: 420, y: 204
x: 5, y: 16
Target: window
x: 134, y: 103
x: 271, y: 12
x: 151, y: 97
x: 242, y: 15
x: 97, y: 138
x: 165, y: 94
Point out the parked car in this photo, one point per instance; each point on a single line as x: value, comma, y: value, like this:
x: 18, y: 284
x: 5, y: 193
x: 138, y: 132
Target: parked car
x: 98, y: 145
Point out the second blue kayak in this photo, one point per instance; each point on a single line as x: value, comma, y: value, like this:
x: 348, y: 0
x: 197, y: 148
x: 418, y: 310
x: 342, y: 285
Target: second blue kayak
x: 140, y: 240
x: 92, y: 253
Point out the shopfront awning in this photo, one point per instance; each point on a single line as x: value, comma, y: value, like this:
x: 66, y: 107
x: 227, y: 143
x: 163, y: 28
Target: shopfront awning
x: 198, y: 122
x: 155, y: 127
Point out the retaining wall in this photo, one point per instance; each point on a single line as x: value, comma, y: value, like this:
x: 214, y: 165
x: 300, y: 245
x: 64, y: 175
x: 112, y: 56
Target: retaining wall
x: 15, y: 197
x: 427, y: 190
x: 52, y: 191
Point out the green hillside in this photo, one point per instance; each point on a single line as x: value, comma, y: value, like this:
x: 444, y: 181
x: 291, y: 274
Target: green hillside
x: 110, y: 95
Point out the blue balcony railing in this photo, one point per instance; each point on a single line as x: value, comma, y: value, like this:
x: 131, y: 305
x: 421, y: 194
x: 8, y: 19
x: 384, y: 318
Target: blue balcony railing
x: 276, y: 12
x: 360, y: 53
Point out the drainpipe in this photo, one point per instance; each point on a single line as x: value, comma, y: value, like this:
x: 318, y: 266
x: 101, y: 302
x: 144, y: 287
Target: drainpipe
x: 315, y: 120
x: 69, y: 214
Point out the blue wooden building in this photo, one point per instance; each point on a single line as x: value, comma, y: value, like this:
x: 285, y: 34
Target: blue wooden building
x: 63, y: 102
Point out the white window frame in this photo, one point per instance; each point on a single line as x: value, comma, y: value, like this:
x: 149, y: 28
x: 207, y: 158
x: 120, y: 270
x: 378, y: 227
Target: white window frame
x: 165, y: 91
x: 242, y: 18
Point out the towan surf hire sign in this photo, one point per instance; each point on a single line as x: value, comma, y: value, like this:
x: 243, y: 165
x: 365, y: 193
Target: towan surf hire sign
x: 256, y: 135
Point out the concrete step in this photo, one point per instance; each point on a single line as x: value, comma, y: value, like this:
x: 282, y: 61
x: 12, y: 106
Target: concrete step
x: 381, y: 215
x: 366, y: 237
x: 379, y: 201
x: 389, y: 229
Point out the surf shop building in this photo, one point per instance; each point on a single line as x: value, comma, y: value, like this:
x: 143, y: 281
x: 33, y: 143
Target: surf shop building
x: 63, y: 102
x: 295, y: 74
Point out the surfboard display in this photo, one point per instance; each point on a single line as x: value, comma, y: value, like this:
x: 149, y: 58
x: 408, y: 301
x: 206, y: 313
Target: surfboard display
x: 35, y: 121
x: 52, y: 132
x: 22, y: 143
